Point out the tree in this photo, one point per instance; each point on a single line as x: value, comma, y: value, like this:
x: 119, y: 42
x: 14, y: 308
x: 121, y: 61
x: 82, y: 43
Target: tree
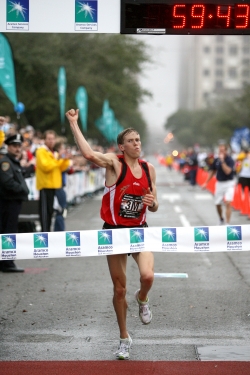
x: 207, y: 126
x: 106, y: 64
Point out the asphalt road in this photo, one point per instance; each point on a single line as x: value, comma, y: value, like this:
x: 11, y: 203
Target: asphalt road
x: 61, y: 309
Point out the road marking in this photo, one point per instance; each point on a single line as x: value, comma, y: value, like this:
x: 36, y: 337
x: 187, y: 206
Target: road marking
x: 171, y: 197
x: 203, y: 197
x: 184, y: 221
x: 206, y: 260
x: 174, y: 275
x: 177, y: 209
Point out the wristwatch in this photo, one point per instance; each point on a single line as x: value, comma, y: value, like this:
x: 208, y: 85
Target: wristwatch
x: 153, y: 205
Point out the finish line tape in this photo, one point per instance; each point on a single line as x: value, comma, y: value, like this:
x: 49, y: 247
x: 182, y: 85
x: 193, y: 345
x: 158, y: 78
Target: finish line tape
x: 122, y: 241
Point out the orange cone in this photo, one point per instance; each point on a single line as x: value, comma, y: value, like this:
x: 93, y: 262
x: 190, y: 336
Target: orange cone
x: 237, y: 197
x: 245, y: 202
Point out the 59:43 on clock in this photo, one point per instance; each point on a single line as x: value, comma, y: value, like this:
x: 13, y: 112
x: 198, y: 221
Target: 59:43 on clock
x: 185, y: 17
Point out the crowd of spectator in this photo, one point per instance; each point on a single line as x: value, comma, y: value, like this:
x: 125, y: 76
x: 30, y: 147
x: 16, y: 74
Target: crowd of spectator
x: 34, y: 139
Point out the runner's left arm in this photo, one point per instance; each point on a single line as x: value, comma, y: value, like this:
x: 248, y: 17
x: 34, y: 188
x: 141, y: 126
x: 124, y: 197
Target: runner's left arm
x: 150, y: 198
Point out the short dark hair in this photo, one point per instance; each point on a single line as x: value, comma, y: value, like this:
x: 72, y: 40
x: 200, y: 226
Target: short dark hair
x: 49, y: 132
x: 120, y: 137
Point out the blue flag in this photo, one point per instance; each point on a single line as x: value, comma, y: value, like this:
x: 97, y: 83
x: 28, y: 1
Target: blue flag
x: 62, y: 85
x: 7, y: 72
x: 82, y: 104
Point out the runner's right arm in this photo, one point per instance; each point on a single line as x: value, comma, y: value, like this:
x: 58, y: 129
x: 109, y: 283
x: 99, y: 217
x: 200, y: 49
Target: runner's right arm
x: 102, y: 160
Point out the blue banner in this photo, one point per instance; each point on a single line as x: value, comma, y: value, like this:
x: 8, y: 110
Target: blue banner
x: 82, y: 104
x: 62, y: 85
x: 7, y: 72
x: 108, y: 125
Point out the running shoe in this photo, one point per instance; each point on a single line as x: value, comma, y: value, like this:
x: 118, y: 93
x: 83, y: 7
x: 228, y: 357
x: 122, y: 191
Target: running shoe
x: 145, y: 313
x: 222, y: 222
x: 124, y: 347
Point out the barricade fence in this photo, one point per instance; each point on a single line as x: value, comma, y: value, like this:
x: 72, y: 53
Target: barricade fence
x: 77, y: 184
x: 121, y: 241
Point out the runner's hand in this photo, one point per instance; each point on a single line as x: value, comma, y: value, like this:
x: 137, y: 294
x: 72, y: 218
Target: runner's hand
x: 148, y: 198
x: 72, y: 115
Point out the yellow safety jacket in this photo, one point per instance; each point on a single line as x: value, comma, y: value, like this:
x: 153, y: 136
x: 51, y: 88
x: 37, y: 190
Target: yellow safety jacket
x: 49, y: 169
x: 2, y: 137
x: 239, y: 159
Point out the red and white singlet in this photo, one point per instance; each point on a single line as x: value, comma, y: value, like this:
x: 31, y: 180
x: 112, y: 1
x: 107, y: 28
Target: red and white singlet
x: 122, y: 202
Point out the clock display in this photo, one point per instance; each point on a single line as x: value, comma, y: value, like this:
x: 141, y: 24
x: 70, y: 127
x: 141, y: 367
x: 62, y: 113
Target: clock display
x: 169, y: 17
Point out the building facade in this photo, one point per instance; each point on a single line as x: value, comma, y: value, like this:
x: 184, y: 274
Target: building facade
x: 212, y: 67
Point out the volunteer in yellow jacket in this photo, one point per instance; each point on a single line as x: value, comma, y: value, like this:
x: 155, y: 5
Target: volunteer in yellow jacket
x: 2, y: 136
x: 49, y: 168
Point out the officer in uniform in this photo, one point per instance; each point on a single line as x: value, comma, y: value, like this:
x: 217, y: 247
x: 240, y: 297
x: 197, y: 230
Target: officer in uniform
x: 13, y: 190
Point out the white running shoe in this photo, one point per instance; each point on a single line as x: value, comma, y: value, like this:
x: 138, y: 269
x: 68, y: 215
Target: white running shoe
x: 124, y: 347
x: 145, y: 313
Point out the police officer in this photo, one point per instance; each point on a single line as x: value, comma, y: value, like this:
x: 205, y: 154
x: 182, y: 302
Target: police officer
x: 13, y: 190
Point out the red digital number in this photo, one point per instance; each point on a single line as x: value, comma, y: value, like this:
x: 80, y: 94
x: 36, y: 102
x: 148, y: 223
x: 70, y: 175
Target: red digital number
x: 182, y: 16
x: 198, y: 11
x: 222, y: 14
x: 243, y: 9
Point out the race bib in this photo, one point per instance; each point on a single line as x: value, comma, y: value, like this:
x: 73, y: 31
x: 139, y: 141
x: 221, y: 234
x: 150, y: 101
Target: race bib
x: 131, y: 206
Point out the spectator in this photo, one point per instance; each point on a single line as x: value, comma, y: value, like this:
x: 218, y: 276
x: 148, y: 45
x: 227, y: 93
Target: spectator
x: 60, y: 194
x: 49, y: 168
x: 13, y: 190
x: 192, y: 162
x: 223, y: 168
x: 244, y: 171
x: 169, y: 161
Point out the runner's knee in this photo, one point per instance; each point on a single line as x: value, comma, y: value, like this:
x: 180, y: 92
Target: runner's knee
x: 119, y: 292
x: 147, y: 278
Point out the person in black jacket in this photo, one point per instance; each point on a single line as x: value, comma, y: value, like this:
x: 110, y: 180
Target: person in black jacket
x: 13, y: 190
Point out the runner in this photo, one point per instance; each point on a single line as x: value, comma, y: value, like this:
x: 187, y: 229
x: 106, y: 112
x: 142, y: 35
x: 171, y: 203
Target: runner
x: 129, y: 190
x: 223, y: 168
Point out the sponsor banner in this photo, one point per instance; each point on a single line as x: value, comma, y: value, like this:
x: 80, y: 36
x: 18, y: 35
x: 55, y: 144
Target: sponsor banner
x: 86, y: 15
x: 125, y: 241
x: 60, y: 16
x: 17, y: 15
x: 8, y: 243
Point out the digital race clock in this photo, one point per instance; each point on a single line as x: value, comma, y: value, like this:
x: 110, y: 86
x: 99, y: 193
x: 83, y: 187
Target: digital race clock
x: 185, y: 17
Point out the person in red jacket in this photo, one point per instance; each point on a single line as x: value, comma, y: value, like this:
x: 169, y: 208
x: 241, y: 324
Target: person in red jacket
x: 129, y: 191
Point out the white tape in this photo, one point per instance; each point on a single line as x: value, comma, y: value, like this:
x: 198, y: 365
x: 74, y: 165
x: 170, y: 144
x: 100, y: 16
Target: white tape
x: 122, y: 241
x: 171, y: 275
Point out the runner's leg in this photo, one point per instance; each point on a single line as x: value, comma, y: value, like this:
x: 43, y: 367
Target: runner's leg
x: 117, y: 268
x: 145, y: 262
x: 228, y: 211
x: 219, y: 210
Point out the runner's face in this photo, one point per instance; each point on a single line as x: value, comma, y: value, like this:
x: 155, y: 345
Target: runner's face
x: 222, y: 150
x: 131, y: 144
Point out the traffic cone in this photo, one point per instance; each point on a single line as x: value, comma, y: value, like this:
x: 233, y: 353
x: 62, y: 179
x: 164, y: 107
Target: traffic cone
x: 199, y: 176
x: 236, y: 203
x: 245, y: 202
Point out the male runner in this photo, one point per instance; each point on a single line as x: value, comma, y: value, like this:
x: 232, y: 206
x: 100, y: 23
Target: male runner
x: 129, y: 190
x: 223, y: 168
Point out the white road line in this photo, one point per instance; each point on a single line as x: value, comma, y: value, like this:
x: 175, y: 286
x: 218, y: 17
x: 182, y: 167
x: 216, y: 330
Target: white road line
x: 203, y: 197
x: 171, y: 197
x: 174, y: 275
x: 184, y: 221
x: 206, y: 260
x: 177, y: 209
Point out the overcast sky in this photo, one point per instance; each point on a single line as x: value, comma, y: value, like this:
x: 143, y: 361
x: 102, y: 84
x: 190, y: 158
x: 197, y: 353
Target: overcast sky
x: 161, y: 78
